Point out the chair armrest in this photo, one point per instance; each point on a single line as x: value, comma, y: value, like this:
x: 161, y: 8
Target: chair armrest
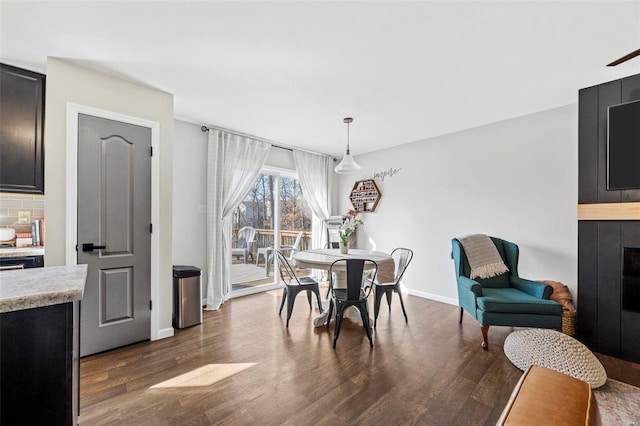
x: 470, y: 285
x: 534, y: 288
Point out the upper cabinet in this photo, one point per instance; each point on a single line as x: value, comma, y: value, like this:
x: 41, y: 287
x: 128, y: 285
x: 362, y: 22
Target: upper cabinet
x: 21, y: 130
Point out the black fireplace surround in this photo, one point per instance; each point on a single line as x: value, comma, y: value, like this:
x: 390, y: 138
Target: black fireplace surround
x: 608, y: 250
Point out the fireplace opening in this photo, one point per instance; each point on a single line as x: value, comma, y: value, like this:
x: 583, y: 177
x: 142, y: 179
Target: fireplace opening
x: 631, y: 279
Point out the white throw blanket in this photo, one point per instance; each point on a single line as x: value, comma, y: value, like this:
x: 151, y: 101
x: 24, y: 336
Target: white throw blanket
x: 483, y: 256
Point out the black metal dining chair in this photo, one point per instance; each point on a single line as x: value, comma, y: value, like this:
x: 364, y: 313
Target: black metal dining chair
x: 401, y: 257
x: 294, y: 285
x: 354, y: 295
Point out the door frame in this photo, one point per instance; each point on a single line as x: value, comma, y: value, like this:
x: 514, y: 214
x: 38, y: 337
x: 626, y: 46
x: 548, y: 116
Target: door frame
x: 71, y: 220
x: 279, y: 172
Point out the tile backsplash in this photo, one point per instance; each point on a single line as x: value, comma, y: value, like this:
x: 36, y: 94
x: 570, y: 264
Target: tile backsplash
x: 11, y: 204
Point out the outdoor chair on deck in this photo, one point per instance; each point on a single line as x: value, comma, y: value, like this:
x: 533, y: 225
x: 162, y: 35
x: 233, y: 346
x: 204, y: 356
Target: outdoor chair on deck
x: 354, y: 295
x: 290, y: 250
x: 242, y: 246
x: 294, y: 285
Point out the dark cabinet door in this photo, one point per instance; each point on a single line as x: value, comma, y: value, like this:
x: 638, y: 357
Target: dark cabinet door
x: 21, y: 130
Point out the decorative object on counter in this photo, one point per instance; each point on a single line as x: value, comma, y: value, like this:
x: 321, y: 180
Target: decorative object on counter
x: 347, y: 228
x: 365, y: 195
x: 37, y: 232
x: 24, y: 239
x: 348, y: 164
x: 7, y: 234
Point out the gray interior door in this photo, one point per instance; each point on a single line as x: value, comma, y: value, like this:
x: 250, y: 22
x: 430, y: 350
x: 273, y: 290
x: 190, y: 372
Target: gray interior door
x: 114, y: 214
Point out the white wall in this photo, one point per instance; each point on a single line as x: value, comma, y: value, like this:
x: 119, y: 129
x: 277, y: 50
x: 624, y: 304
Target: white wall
x: 67, y: 82
x: 190, y: 197
x: 515, y: 179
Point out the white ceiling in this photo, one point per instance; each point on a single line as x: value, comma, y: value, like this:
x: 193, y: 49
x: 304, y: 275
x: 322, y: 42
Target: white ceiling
x: 290, y: 71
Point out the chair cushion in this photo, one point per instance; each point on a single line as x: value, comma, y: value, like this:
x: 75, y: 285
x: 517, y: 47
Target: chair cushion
x: 341, y: 294
x: 307, y: 281
x: 511, y: 300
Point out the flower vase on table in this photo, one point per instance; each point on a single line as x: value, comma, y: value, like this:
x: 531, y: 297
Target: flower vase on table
x: 348, y: 228
x: 344, y: 248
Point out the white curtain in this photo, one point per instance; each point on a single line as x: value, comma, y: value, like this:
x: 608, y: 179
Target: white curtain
x: 234, y: 163
x: 314, y: 173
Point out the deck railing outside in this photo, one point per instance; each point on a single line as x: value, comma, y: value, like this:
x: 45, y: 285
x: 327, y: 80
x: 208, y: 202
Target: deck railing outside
x: 264, y: 238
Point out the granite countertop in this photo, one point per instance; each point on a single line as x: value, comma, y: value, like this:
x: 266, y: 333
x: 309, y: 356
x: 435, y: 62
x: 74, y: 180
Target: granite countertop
x: 21, y: 251
x: 36, y: 287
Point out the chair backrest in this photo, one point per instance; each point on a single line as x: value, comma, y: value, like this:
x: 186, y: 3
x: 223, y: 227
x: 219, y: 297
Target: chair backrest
x: 354, y: 270
x: 509, y: 253
x: 333, y: 236
x: 287, y: 273
x: 296, y: 244
x: 401, y: 257
x: 246, y: 235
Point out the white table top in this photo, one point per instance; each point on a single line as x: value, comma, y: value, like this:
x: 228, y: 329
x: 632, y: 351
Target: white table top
x: 323, y: 258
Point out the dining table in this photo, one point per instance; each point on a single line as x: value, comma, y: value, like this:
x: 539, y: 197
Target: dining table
x: 323, y: 258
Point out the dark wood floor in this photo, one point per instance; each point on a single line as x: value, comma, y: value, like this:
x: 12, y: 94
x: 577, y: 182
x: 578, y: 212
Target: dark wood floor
x: 429, y: 371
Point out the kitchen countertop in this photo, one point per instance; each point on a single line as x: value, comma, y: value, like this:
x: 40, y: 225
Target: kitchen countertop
x: 21, y: 251
x: 36, y: 287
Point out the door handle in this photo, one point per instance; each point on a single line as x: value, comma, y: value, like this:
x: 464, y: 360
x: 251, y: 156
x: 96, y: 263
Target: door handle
x: 88, y: 247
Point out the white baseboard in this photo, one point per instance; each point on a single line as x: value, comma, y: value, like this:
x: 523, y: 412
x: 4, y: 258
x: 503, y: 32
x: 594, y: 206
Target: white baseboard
x: 437, y: 298
x: 163, y: 333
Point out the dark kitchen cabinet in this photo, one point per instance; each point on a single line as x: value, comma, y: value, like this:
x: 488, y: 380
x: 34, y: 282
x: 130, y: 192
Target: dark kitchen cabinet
x: 21, y: 130
x: 40, y: 365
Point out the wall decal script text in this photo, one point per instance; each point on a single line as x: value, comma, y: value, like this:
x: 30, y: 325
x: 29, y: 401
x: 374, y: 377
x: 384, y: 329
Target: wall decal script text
x: 384, y: 174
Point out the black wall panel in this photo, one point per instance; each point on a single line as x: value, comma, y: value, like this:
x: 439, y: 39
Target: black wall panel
x: 588, y: 152
x: 602, y: 323
x: 608, y: 94
x: 588, y: 279
x: 609, y: 278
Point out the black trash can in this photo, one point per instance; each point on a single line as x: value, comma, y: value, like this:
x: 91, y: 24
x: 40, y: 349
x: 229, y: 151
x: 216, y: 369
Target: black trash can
x: 187, y: 296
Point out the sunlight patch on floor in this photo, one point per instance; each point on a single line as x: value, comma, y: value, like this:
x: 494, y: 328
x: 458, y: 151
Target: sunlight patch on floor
x: 204, y: 376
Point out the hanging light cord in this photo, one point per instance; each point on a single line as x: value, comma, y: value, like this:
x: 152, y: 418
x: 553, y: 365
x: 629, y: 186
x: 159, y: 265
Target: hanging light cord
x: 347, y: 138
x: 348, y: 120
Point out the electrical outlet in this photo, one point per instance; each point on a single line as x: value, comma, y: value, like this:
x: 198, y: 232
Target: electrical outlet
x: 24, y: 216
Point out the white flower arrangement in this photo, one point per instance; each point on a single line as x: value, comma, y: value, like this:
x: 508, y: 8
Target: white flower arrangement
x: 349, y: 227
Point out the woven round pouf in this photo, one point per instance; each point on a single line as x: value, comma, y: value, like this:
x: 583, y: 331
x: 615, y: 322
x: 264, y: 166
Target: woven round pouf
x: 556, y: 351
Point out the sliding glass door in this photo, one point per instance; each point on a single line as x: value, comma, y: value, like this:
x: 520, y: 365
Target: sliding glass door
x: 272, y: 216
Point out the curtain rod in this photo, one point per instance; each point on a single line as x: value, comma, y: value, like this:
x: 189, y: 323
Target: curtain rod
x: 273, y: 144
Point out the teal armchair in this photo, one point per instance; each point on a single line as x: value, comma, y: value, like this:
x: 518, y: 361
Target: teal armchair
x: 504, y: 300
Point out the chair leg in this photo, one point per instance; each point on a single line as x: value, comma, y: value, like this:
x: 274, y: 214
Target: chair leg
x: 284, y: 297
x: 309, y: 299
x: 339, y: 312
x: 292, y: 298
x: 364, y: 314
x: 461, y: 311
x: 316, y: 290
x: 377, y: 297
x: 402, y: 304
x: 330, y: 312
x: 485, y: 332
x: 388, y: 293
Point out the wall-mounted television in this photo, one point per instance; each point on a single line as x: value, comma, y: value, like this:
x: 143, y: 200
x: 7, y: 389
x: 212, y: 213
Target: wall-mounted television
x: 623, y: 146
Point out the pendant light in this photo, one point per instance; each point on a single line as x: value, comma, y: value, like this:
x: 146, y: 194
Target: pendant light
x: 348, y: 164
